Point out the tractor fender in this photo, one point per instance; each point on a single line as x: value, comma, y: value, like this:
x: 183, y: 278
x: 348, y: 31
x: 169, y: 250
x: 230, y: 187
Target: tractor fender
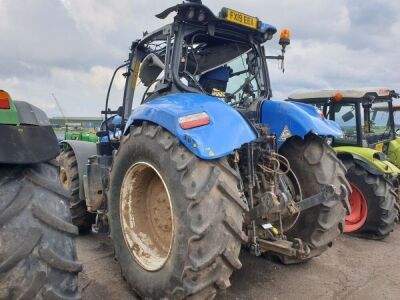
x: 82, y: 151
x: 29, y: 138
x: 373, y: 161
x: 286, y: 119
x: 227, y: 130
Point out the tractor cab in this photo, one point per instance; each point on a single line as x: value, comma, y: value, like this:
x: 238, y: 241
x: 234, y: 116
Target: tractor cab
x: 363, y: 114
x: 221, y: 56
x: 396, y: 115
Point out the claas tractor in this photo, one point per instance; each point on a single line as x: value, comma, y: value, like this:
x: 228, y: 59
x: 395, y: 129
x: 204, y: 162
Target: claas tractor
x: 368, y: 149
x: 207, y: 162
x: 37, y: 249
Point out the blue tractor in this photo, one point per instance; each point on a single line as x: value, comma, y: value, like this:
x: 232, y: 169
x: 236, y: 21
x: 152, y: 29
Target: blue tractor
x: 207, y: 162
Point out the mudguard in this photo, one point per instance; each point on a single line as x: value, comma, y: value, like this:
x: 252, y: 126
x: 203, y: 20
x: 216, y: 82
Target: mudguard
x: 82, y: 151
x: 227, y: 130
x: 26, y: 144
x: 375, y: 162
x: 26, y: 136
x: 286, y: 119
x: 393, y: 152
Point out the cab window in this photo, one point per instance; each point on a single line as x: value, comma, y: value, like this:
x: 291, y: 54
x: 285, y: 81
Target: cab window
x: 345, y: 116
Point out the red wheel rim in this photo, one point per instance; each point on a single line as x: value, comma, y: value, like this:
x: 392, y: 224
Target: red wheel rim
x: 359, y: 210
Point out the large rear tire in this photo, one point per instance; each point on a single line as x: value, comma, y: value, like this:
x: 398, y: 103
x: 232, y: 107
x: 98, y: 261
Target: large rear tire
x: 396, y: 184
x: 373, y: 203
x: 315, y: 164
x: 37, y: 249
x: 197, y: 206
x: 69, y: 177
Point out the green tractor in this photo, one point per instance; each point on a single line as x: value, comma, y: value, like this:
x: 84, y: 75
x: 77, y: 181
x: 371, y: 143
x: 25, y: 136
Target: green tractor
x: 37, y: 249
x: 69, y: 174
x: 75, y: 131
x: 370, y: 151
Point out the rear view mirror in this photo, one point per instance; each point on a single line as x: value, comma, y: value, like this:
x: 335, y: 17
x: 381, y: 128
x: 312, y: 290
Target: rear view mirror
x: 348, y: 116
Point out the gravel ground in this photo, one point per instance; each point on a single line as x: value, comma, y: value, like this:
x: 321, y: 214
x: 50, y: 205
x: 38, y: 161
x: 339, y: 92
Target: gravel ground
x: 352, y: 269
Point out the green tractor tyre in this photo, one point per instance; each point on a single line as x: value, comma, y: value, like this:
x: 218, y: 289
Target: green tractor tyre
x: 37, y: 249
x: 372, y: 201
x: 69, y: 178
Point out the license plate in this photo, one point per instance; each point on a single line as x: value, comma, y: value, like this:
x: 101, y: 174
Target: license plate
x: 241, y: 19
x: 379, y: 147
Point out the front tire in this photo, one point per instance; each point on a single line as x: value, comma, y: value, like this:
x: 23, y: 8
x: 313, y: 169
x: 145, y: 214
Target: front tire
x: 203, y: 225
x: 37, y: 249
x: 315, y: 164
x: 373, y: 203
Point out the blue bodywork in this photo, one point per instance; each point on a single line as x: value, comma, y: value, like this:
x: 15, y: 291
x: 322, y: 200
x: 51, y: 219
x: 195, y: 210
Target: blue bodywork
x: 299, y: 118
x: 227, y: 130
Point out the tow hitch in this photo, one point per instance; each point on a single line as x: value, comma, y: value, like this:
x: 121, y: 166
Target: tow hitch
x: 295, y: 249
x: 328, y: 193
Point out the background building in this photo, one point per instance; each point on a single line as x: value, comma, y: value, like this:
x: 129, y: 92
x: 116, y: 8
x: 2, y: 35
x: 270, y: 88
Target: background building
x: 84, y: 122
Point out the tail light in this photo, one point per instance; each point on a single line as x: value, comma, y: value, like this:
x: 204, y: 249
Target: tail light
x: 195, y: 120
x: 4, y: 100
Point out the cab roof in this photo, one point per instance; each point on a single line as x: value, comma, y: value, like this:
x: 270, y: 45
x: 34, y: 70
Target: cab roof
x: 263, y: 31
x: 354, y: 94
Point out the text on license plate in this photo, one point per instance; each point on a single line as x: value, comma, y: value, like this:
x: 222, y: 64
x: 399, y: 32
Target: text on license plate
x: 242, y: 19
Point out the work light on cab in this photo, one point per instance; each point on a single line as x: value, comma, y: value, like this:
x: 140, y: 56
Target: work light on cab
x: 194, y: 120
x: 337, y: 97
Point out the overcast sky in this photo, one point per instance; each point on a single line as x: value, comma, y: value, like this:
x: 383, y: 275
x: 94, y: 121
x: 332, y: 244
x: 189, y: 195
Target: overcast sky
x: 71, y: 47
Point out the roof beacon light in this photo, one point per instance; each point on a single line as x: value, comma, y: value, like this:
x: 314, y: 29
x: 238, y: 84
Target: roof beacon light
x: 284, y: 38
x: 4, y: 100
x: 337, y: 97
x: 194, y: 120
x: 284, y: 41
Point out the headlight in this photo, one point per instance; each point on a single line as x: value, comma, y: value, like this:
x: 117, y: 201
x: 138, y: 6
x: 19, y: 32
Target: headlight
x: 329, y: 140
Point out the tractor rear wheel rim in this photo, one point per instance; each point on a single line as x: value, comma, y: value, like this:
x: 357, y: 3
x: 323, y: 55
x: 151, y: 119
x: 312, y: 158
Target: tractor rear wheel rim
x: 146, y: 216
x: 64, y: 178
x: 359, y: 210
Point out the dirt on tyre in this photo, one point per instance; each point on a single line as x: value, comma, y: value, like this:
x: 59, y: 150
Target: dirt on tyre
x: 315, y: 164
x: 176, y: 220
x: 37, y: 249
x: 69, y: 177
x: 372, y: 200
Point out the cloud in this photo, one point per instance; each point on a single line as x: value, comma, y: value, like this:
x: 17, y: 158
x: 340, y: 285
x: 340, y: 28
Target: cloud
x: 70, y: 47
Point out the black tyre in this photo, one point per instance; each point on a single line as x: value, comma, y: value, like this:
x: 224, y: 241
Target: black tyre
x: 315, y: 164
x: 396, y: 184
x: 37, y: 249
x: 69, y: 177
x: 373, y: 202
x: 195, y: 243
